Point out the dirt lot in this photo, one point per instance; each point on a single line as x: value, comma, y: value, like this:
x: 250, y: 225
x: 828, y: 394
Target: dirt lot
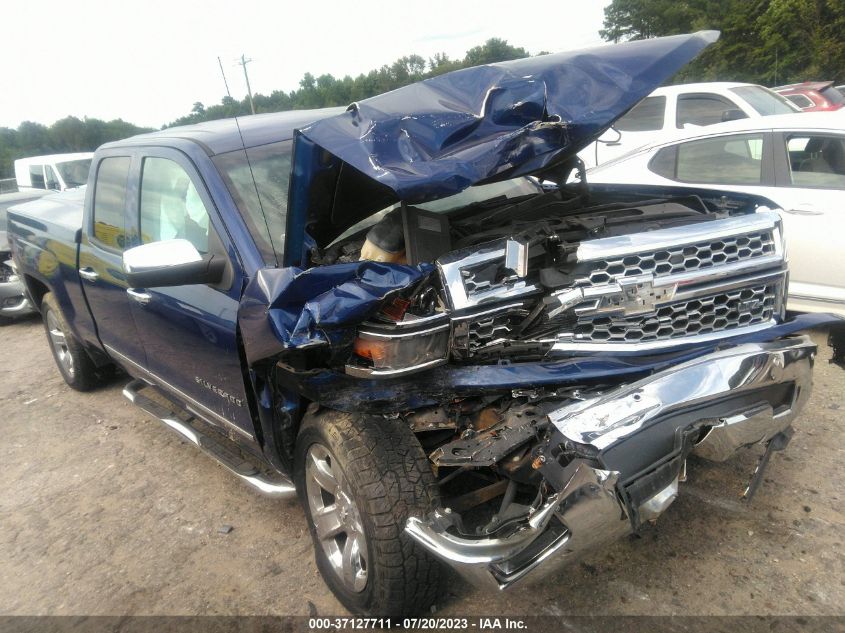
x: 103, y: 511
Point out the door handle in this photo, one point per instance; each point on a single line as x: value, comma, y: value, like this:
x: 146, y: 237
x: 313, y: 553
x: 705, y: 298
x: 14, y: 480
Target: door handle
x: 804, y: 211
x: 89, y: 274
x: 141, y: 297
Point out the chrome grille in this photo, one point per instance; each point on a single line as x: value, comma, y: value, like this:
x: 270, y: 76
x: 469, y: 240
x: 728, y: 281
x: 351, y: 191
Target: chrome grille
x: 684, y: 258
x: 481, y: 278
x: 705, y: 315
x: 488, y: 329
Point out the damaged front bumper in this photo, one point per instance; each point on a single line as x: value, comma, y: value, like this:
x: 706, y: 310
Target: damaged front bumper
x: 614, y: 461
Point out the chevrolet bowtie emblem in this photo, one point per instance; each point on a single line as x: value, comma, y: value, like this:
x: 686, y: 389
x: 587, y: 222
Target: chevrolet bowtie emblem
x: 628, y: 296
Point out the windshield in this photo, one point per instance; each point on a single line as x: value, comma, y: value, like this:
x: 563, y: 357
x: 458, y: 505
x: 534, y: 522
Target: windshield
x: 258, y: 181
x: 764, y: 101
x: 508, y: 189
x: 74, y: 172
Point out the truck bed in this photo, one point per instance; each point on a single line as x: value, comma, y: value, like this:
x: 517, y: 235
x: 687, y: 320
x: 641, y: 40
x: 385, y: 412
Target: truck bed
x: 45, y: 233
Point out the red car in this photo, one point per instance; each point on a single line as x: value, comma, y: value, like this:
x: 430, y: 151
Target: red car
x: 813, y: 95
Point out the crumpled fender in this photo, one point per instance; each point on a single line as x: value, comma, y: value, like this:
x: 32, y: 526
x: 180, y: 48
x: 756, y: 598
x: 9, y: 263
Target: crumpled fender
x: 285, y: 308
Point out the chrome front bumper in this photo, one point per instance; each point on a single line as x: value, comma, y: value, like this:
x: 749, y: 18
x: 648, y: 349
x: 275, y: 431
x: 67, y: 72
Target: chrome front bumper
x: 615, y: 461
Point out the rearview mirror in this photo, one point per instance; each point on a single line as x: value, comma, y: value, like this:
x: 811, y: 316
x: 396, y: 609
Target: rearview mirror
x: 170, y: 263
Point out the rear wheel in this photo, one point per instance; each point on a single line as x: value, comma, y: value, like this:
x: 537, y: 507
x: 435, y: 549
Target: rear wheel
x: 74, y: 364
x: 359, y: 478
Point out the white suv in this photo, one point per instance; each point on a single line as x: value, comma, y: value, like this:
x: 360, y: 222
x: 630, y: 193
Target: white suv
x: 685, y: 106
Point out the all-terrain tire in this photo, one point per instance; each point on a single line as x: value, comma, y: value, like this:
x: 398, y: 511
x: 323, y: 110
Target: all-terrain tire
x: 73, y: 362
x: 388, y: 477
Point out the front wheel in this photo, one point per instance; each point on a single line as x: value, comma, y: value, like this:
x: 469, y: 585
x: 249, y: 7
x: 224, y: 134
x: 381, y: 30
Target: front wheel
x: 359, y: 478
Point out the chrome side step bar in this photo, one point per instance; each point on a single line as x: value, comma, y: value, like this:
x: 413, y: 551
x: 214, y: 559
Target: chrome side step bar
x: 282, y: 488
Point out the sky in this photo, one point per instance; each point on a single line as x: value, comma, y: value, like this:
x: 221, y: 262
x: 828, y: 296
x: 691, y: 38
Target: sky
x: 147, y: 63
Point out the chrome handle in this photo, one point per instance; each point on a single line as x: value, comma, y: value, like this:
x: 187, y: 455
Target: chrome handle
x: 89, y: 274
x: 141, y: 297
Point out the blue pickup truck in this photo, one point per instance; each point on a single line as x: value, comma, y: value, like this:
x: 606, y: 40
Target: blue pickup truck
x: 402, y: 313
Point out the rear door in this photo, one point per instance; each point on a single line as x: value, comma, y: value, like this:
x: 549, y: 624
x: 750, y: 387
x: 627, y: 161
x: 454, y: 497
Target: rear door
x: 810, y: 171
x: 190, y: 332
x: 101, y: 259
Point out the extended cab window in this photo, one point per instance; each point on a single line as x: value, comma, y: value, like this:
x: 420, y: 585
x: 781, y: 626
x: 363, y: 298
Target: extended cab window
x: 703, y: 109
x: 110, y: 202
x: 726, y: 160
x: 171, y: 207
x: 257, y: 180
x: 647, y: 115
x: 817, y: 161
x: 36, y: 176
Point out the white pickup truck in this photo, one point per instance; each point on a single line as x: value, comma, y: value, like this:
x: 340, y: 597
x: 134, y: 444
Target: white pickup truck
x: 56, y: 172
x: 672, y: 108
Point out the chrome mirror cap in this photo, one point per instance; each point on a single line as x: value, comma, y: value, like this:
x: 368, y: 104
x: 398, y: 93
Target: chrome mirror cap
x: 158, y: 255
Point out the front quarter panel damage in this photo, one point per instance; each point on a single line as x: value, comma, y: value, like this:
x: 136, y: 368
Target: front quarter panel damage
x: 290, y: 308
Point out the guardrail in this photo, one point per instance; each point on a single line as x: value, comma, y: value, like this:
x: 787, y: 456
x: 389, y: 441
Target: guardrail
x: 8, y: 185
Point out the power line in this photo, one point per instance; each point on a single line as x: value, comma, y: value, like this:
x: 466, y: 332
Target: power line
x: 243, y: 63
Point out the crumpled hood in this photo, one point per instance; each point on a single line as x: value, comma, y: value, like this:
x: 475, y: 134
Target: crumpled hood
x: 437, y: 137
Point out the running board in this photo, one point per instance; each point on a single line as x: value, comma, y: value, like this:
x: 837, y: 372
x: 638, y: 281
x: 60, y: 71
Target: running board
x: 245, y: 470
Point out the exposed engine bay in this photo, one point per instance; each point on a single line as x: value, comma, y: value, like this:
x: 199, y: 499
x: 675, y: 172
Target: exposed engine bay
x: 554, y: 273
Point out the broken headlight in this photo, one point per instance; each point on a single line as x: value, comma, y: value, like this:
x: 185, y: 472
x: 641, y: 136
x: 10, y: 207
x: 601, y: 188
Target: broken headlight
x: 400, y: 349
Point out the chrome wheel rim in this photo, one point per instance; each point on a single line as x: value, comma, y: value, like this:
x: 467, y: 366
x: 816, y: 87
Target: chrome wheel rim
x: 336, y: 519
x: 59, y: 343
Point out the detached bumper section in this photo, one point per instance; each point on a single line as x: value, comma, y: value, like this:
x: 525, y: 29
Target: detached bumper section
x: 615, y: 461
x: 13, y: 301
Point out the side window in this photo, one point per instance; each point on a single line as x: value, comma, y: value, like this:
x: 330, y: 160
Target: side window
x: 110, y: 202
x: 663, y: 162
x: 647, y: 115
x: 801, y: 101
x: 52, y: 181
x: 726, y: 160
x: 171, y: 206
x: 703, y: 109
x: 36, y: 176
x: 816, y: 161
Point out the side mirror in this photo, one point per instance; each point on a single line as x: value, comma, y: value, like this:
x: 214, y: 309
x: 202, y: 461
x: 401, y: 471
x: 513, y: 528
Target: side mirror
x: 170, y: 263
x: 733, y: 115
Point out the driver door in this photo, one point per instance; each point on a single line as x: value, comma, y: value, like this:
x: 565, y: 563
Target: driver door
x: 190, y: 332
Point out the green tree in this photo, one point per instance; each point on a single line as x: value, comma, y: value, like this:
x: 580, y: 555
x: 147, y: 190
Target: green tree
x: 763, y: 41
x: 492, y: 51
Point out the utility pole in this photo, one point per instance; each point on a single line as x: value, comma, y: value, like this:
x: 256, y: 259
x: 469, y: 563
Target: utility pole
x: 225, y: 83
x: 243, y: 63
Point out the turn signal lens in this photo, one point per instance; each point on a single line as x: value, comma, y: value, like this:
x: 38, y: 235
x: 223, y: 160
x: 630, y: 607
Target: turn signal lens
x: 405, y: 351
x: 370, y: 349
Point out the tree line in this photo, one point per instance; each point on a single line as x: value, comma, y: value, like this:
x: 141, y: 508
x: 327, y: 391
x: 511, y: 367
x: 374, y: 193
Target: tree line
x: 66, y: 135
x: 770, y: 42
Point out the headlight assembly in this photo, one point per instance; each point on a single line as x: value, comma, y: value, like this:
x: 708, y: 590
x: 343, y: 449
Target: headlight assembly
x: 388, y: 352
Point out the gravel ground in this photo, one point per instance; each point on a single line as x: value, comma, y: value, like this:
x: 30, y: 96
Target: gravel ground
x: 105, y: 512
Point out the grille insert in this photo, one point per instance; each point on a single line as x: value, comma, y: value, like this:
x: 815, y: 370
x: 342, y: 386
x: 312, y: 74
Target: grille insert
x: 684, y: 258
x: 715, y: 313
